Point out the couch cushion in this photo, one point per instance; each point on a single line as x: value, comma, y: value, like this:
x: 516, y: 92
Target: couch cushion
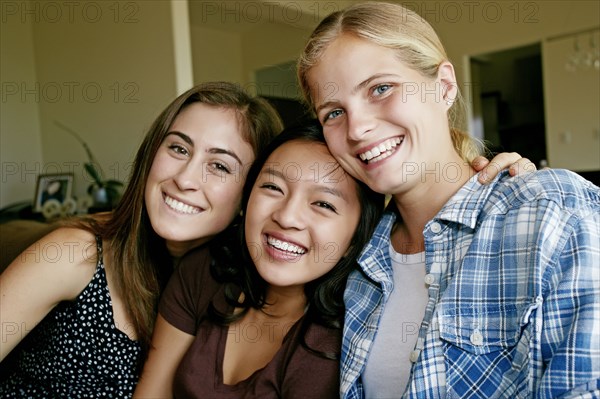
x: 17, y: 235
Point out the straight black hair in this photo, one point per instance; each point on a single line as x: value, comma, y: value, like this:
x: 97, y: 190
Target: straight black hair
x: 234, y: 267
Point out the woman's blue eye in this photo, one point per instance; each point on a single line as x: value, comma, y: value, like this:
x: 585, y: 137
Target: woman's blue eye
x: 333, y: 114
x: 381, y: 89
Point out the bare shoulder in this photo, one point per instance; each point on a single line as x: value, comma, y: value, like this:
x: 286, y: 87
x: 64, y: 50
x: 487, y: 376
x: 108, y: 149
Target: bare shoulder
x: 71, y: 233
x: 54, y: 269
x: 67, y: 246
x: 63, y: 260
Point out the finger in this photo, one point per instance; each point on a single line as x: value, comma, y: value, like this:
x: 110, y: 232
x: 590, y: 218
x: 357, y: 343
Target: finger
x: 489, y: 172
x: 522, y: 167
x: 479, y: 163
x: 498, y: 163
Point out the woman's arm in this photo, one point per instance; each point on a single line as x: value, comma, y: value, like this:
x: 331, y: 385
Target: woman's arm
x: 54, y: 269
x: 179, y: 311
x: 570, y: 315
x: 169, y: 344
x: 514, y: 162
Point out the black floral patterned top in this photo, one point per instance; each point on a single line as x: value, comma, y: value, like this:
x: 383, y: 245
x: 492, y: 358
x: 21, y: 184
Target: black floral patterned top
x: 77, y: 351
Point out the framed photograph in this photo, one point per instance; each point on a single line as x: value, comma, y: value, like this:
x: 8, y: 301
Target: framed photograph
x: 56, y: 186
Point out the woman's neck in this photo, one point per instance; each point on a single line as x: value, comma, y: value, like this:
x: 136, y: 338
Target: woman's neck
x: 268, y: 327
x: 179, y: 248
x: 421, y: 204
x: 285, y: 302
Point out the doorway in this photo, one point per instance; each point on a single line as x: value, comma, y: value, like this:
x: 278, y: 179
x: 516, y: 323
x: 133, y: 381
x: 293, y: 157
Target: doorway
x: 278, y: 85
x: 508, y: 101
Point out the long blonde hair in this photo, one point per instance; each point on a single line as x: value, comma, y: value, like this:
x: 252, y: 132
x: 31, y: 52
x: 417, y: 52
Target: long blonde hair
x: 395, y: 27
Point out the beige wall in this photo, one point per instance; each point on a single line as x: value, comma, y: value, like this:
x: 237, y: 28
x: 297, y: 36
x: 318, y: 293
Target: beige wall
x: 20, y: 138
x: 216, y: 55
x: 236, y: 55
x: 272, y: 44
x: 104, y: 69
x: 123, y: 74
x: 573, y: 133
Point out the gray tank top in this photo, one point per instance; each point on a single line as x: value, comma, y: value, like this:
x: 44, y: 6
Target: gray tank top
x: 388, y: 366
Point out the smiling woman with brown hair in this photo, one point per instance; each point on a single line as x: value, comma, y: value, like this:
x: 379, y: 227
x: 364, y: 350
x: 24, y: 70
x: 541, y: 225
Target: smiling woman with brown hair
x: 93, y: 304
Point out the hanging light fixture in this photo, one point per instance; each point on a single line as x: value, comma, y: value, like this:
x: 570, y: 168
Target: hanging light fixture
x: 584, y: 57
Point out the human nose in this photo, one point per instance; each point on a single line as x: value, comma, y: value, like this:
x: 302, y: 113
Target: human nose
x: 360, y: 123
x: 189, y: 176
x: 290, y: 214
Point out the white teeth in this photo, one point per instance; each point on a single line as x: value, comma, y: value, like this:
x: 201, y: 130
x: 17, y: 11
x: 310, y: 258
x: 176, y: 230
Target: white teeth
x: 381, y: 151
x: 180, y: 206
x: 285, y: 246
x: 382, y: 156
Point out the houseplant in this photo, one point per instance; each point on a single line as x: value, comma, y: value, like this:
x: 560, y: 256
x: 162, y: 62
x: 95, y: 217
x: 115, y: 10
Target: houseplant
x: 105, y: 193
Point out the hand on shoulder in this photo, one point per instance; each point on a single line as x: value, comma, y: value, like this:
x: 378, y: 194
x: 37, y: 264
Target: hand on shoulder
x: 516, y: 166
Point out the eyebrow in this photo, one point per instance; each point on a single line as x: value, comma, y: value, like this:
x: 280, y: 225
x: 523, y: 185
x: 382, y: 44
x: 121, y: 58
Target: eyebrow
x: 214, y: 150
x: 232, y: 154
x: 358, y: 87
x: 320, y: 187
x: 332, y: 191
x: 182, y: 136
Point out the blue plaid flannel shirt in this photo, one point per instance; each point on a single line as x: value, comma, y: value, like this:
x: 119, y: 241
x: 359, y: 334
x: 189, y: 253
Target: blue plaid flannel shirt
x: 514, y: 299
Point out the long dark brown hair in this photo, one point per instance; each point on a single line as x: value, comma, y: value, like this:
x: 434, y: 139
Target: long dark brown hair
x: 136, y: 255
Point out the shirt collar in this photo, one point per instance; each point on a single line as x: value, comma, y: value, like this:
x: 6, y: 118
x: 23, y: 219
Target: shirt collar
x: 374, y: 258
x: 465, y: 206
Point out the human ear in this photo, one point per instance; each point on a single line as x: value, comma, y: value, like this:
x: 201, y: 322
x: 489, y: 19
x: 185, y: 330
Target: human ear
x: 447, y: 80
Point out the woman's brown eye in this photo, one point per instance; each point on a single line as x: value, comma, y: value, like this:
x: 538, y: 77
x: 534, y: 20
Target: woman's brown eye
x: 179, y: 149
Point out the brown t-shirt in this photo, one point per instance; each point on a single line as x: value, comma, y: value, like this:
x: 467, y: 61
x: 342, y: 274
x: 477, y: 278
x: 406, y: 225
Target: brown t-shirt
x: 294, y: 372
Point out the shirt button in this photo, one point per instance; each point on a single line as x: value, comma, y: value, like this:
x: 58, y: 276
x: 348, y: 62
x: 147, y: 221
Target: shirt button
x: 476, y: 338
x: 436, y: 227
x: 429, y: 279
x: 414, y: 355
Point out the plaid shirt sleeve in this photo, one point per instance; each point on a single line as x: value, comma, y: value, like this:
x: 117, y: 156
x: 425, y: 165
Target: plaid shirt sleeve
x: 569, y: 357
x: 520, y: 315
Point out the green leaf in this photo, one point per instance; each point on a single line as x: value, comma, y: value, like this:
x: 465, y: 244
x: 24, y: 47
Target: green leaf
x: 93, y: 172
x: 113, y: 183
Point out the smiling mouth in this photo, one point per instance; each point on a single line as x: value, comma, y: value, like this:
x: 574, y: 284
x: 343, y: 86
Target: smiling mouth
x: 381, y: 151
x: 285, y: 246
x: 181, y: 207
